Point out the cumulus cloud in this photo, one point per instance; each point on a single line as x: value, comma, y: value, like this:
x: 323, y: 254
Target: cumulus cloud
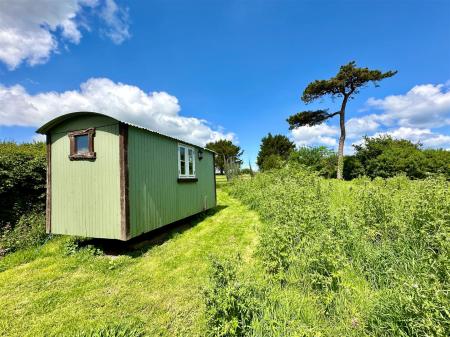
x: 358, y: 127
x: 424, y: 106
x: 426, y: 137
x: 325, y: 134
x: 322, y: 134
x: 158, y: 111
x: 30, y: 31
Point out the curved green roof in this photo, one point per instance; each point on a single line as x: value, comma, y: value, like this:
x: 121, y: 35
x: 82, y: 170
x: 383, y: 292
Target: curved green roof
x: 44, y: 129
x: 58, y: 120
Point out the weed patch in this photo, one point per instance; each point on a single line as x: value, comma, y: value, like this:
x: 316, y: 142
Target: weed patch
x: 366, y: 257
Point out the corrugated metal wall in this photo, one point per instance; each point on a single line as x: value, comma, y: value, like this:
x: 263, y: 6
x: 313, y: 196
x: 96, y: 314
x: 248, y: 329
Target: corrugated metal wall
x: 156, y: 197
x: 86, y: 194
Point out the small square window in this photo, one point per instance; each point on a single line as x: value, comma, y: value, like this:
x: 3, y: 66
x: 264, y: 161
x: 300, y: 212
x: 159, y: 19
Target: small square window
x: 82, y: 144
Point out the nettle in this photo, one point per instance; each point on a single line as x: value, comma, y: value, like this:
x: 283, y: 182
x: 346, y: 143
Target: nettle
x: 366, y: 257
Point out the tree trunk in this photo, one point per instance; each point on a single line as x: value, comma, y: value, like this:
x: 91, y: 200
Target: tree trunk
x: 340, y: 165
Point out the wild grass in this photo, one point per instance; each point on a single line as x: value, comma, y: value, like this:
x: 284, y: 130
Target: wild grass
x: 63, y: 289
x: 360, y: 258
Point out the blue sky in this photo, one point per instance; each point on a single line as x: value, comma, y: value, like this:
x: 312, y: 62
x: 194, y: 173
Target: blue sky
x: 202, y: 70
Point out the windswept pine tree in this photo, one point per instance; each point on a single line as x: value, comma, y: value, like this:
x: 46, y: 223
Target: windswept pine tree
x: 346, y: 84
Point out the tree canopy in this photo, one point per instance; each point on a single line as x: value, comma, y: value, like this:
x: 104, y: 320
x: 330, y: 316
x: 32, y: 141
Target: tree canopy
x: 225, y: 149
x: 347, y: 82
x: 273, y: 149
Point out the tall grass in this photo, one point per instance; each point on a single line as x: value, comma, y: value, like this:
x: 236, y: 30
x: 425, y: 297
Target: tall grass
x: 349, y: 258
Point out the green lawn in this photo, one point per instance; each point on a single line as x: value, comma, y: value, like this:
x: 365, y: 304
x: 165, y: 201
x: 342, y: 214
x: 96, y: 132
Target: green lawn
x: 221, y: 180
x: 48, y: 292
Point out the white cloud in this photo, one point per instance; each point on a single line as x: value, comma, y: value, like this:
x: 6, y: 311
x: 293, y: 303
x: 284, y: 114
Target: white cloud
x: 408, y: 133
x: 38, y: 138
x: 424, y: 106
x: 322, y: 134
x: 426, y: 137
x: 365, y: 126
x: 117, y: 22
x: 325, y: 134
x: 158, y: 111
x: 30, y: 29
x: 358, y: 127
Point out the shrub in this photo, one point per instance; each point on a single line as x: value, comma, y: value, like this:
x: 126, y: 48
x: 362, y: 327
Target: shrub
x: 387, y: 157
x: 437, y: 161
x: 29, y: 231
x: 271, y: 162
x: 353, y: 168
x: 319, y: 159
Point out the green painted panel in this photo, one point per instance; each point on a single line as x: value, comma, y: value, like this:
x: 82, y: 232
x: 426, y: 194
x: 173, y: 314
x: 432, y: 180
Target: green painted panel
x: 86, y: 194
x: 156, y: 197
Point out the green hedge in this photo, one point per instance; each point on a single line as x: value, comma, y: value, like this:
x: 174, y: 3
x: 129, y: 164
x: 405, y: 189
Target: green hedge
x: 22, y: 195
x: 22, y: 180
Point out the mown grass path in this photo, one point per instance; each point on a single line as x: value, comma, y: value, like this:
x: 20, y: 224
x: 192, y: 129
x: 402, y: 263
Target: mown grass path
x: 49, y: 293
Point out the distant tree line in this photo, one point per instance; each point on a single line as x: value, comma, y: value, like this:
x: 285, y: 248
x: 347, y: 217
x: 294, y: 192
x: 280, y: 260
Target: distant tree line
x: 227, y: 154
x: 386, y: 157
x: 381, y: 156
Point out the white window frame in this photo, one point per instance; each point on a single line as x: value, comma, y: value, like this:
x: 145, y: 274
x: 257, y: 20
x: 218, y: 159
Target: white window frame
x: 186, y: 161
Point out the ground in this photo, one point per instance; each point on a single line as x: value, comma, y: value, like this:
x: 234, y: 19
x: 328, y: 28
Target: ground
x: 57, y: 290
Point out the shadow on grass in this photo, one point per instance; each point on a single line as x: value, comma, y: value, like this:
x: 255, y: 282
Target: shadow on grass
x: 138, y: 246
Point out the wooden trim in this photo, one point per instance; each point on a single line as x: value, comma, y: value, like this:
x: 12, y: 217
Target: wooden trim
x: 72, y: 146
x: 82, y: 132
x: 124, y: 190
x: 187, y: 180
x: 83, y: 156
x: 214, y: 177
x: 48, y: 201
x: 74, y: 155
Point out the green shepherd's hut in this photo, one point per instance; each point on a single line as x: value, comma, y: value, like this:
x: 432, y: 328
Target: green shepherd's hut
x: 110, y: 179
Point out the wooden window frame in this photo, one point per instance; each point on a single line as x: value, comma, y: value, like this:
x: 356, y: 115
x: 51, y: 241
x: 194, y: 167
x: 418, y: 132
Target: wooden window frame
x: 90, y: 155
x: 186, y: 176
